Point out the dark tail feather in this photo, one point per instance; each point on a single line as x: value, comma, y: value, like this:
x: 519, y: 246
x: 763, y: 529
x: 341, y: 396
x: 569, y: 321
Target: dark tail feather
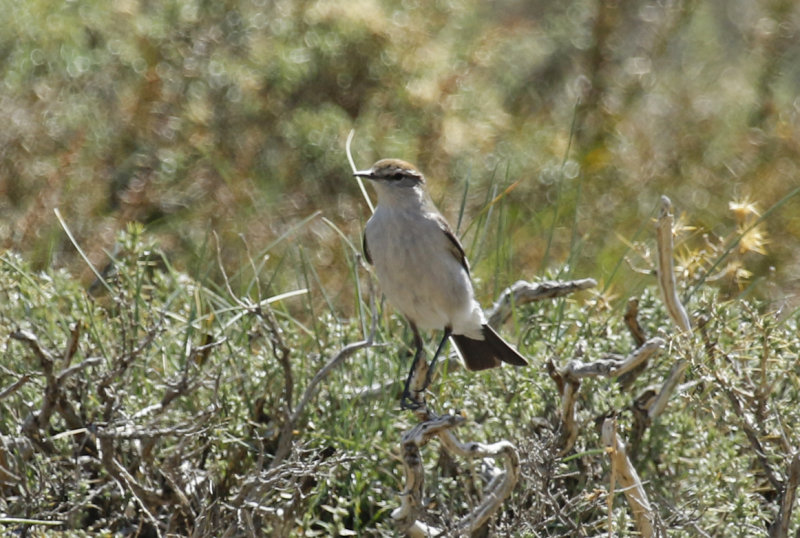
x: 487, y: 353
x: 477, y: 354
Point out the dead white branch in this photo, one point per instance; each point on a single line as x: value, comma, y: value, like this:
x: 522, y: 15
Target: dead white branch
x: 501, y: 483
x: 670, y: 384
x: 666, y: 268
x: 624, y: 474
x: 522, y: 292
x: 407, y: 514
x: 666, y: 282
x: 613, y: 365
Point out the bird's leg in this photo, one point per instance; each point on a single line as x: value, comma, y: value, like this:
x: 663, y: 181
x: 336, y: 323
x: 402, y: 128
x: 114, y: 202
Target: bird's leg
x: 407, y: 401
x: 447, y: 332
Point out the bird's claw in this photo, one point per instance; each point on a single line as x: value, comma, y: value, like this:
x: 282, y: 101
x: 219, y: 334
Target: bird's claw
x: 409, y: 403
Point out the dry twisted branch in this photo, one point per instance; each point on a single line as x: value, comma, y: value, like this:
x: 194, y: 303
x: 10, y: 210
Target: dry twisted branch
x: 569, y: 379
x: 522, y: 292
x: 500, y: 485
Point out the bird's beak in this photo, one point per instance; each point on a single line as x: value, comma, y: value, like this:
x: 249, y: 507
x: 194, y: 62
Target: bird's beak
x: 363, y: 173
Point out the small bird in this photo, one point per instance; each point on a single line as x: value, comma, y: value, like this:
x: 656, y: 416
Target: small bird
x: 424, y: 273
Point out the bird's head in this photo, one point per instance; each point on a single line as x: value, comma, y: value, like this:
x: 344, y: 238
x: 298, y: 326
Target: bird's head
x: 394, y: 172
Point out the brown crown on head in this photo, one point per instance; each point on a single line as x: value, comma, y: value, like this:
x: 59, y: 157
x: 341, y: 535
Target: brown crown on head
x: 389, y: 167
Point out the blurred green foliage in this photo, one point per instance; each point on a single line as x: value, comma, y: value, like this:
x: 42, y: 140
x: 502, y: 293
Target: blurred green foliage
x: 193, y: 116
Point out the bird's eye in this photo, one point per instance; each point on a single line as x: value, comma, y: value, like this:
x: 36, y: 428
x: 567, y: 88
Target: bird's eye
x: 397, y: 175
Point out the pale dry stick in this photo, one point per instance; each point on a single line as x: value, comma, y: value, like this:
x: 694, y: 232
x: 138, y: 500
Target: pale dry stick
x: 522, y: 292
x: 666, y: 268
x: 625, y: 473
x: 371, y: 392
x: 407, y: 514
x: 613, y: 365
x: 132, y: 432
x: 666, y: 282
x: 670, y: 384
x: 611, y: 448
x: 431, y: 425
x: 29, y: 521
x: 499, y: 487
x: 261, y: 304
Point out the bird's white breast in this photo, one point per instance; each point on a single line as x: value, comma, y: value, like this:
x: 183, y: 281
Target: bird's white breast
x: 418, y: 272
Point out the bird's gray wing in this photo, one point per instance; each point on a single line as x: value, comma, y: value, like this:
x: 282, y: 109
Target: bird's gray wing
x: 455, y: 245
x: 366, y: 247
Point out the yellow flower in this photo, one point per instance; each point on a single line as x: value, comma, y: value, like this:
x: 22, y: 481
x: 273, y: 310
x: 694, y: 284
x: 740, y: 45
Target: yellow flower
x: 753, y: 240
x: 743, y: 209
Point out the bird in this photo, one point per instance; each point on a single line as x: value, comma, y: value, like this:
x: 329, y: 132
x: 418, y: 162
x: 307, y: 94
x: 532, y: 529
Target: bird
x: 423, y: 272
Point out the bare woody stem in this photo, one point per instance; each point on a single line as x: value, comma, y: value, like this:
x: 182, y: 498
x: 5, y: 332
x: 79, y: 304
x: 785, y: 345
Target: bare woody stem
x: 624, y: 474
x: 666, y: 268
x: 522, y: 292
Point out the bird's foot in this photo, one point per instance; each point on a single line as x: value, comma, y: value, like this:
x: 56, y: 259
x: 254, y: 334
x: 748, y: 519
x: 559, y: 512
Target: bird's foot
x: 410, y: 403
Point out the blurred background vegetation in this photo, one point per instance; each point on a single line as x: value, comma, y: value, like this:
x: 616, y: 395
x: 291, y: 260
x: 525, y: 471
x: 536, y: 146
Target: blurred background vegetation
x: 193, y: 116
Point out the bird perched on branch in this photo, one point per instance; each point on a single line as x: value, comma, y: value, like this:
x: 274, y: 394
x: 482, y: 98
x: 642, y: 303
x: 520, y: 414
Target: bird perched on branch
x: 423, y: 272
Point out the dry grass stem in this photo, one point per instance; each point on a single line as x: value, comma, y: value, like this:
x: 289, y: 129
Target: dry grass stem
x: 363, y: 189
